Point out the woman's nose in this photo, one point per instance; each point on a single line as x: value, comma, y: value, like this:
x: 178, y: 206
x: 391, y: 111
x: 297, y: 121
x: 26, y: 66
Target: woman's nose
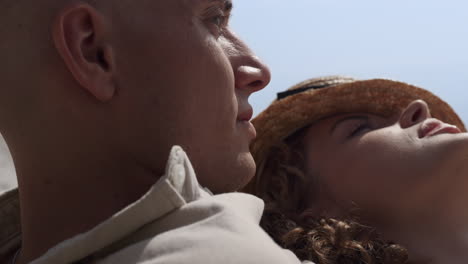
x: 416, y: 112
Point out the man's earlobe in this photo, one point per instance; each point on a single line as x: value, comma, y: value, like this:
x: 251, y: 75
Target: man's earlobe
x: 80, y: 36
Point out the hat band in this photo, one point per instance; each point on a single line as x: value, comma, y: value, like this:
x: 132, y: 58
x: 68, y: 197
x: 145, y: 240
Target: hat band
x: 288, y: 93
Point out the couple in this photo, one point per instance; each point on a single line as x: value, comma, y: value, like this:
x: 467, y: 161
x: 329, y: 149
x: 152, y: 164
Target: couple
x: 96, y: 94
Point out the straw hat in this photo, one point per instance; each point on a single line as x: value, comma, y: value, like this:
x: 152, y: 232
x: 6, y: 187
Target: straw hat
x: 314, y: 99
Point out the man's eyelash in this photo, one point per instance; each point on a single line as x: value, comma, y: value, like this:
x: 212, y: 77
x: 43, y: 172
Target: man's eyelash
x: 217, y: 20
x: 217, y: 12
x: 222, y: 20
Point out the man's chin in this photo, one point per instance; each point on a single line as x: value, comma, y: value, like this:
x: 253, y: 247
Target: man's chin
x: 237, y: 176
x: 247, y: 170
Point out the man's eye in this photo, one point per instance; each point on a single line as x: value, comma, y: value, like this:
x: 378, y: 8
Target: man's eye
x: 219, y: 21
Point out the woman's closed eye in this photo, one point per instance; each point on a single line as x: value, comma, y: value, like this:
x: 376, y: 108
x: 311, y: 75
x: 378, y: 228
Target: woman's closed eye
x: 358, y: 127
x: 351, y: 126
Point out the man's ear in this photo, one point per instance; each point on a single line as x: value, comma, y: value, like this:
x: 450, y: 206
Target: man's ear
x: 79, y: 34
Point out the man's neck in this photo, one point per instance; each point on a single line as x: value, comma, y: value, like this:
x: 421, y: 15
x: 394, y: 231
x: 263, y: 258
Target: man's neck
x: 62, y: 199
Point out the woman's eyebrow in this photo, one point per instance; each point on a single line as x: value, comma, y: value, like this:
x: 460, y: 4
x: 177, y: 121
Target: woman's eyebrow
x: 344, y: 119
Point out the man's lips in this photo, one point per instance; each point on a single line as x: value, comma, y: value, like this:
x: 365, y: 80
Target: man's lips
x: 432, y: 127
x: 245, y: 115
x: 249, y: 128
x: 243, y: 119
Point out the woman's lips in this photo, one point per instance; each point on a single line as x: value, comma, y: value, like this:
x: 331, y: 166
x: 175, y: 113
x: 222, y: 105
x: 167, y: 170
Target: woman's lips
x: 432, y: 127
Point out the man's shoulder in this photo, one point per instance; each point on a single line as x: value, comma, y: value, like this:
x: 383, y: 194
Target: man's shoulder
x: 211, y: 230
x: 176, y: 221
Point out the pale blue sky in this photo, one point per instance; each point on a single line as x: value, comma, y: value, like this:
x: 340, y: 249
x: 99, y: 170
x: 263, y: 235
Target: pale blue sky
x: 422, y: 42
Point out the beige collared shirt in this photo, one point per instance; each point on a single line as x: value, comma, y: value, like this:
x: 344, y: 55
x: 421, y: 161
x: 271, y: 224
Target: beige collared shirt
x: 177, y: 221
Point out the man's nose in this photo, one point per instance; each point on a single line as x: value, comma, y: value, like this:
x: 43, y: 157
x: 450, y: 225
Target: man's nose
x: 251, y: 74
x: 416, y: 112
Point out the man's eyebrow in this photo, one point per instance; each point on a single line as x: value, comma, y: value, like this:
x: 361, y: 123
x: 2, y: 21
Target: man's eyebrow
x: 227, y: 4
x: 344, y: 119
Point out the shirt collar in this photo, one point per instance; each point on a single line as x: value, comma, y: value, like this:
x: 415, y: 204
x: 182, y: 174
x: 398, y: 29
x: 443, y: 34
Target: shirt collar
x: 174, y: 189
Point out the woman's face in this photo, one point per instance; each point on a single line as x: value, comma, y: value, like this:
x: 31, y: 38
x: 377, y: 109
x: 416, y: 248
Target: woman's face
x: 385, y: 166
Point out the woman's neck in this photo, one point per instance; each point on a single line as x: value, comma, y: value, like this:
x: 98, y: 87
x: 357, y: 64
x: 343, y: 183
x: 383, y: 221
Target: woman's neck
x: 437, y: 230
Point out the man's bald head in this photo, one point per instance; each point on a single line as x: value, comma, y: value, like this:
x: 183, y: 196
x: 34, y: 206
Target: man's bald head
x: 25, y: 49
x: 134, y: 79
x: 30, y: 63
x: 18, y: 46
